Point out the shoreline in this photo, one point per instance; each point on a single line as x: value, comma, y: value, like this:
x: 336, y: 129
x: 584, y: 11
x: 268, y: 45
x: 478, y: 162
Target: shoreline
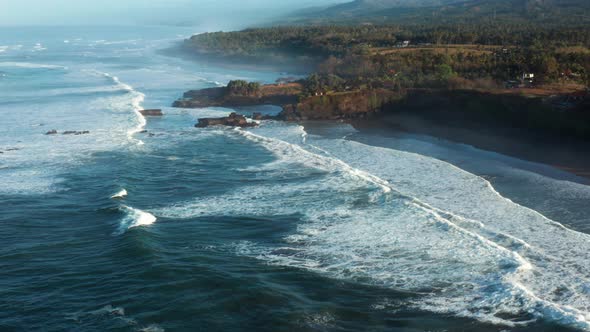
x: 487, y: 122
x: 527, y: 124
x: 568, y: 155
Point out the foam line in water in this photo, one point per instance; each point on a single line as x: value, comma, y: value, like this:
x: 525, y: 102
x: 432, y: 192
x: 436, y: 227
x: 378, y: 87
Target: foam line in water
x: 281, y: 149
x: 545, y: 242
x: 136, y: 102
x: 4, y: 48
x: 31, y: 65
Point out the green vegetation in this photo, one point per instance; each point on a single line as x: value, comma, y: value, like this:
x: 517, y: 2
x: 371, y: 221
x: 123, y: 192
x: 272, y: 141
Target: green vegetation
x: 243, y: 88
x: 438, y: 56
x: 483, y: 58
x: 338, y: 39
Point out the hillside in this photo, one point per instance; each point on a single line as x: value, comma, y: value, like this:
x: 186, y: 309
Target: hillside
x: 554, y: 12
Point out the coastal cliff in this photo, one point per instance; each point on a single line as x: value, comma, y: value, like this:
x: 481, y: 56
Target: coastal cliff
x: 534, y: 113
x: 341, y: 105
x: 272, y: 94
x: 539, y: 113
x: 296, y: 106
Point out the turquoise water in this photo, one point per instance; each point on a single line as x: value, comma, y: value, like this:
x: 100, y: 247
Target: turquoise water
x: 305, y: 227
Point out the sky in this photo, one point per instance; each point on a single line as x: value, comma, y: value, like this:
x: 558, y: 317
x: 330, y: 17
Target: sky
x: 210, y: 13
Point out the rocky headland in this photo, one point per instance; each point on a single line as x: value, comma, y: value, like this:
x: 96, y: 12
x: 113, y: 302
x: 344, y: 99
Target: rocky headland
x: 296, y: 106
x: 543, y: 112
x: 272, y: 94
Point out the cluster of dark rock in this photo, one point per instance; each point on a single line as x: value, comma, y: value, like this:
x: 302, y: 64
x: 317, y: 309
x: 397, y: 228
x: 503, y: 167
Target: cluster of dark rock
x: 237, y: 120
x: 68, y: 132
x: 8, y: 150
x: 337, y: 106
x: 258, y: 116
x: 151, y: 112
x: 233, y: 120
x: 145, y: 131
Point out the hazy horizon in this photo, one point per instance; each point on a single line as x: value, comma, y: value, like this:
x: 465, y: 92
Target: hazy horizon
x: 207, y: 14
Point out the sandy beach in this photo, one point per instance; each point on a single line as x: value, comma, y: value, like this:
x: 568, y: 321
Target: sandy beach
x: 566, y: 154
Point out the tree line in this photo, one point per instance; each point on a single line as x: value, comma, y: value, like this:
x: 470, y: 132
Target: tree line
x: 460, y: 55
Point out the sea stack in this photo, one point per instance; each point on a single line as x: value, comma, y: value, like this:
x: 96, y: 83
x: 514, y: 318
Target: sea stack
x: 152, y: 112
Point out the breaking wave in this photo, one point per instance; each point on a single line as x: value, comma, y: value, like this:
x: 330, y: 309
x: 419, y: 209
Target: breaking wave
x: 408, y: 222
x: 137, y: 99
x: 121, y: 194
x: 134, y: 218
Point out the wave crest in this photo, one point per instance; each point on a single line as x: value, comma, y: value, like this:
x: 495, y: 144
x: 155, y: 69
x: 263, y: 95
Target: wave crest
x: 134, y: 218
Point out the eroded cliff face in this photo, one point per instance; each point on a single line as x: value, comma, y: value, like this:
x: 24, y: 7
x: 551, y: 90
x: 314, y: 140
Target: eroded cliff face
x: 344, y: 105
x: 507, y: 110
x: 492, y: 110
x: 272, y: 94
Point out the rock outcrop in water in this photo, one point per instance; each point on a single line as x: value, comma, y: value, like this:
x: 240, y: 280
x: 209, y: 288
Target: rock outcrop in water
x: 68, y: 132
x: 9, y: 150
x: 151, y: 112
x: 233, y: 120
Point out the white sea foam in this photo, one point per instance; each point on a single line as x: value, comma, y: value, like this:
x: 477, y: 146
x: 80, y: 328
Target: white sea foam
x: 106, y: 110
x: 39, y: 47
x: 152, y: 328
x: 31, y: 65
x: 5, y: 48
x: 109, y: 310
x: 121, y: 194
x: 136, y: 101
x: 115, y: 42
x: 413, y: 223
x: 66, y: 91
x: 134, y: 218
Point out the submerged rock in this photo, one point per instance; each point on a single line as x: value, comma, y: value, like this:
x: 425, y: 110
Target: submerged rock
x: 73, y: 132
x: 152, y: 112
x: 51, y: 132
x: 233, y: 120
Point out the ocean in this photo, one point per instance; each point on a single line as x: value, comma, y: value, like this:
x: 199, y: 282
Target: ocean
x: 150, y: 224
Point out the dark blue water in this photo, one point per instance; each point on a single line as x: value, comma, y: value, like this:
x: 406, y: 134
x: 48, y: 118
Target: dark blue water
x: 279, y: 228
